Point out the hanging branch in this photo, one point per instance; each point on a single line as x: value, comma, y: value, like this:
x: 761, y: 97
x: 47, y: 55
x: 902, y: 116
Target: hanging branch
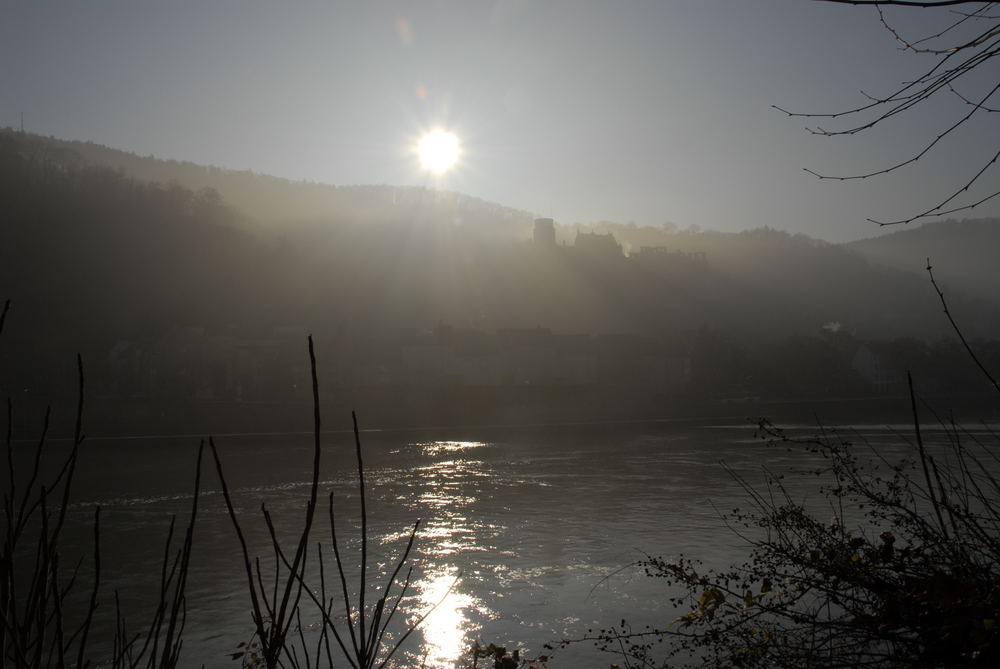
x: 955, y: 61
x: 909, y: 3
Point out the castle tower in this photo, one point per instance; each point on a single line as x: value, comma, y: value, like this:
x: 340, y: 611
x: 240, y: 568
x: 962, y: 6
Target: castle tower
x: 545, y: 232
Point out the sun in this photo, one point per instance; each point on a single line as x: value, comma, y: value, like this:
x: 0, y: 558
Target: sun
x: 438, y: 151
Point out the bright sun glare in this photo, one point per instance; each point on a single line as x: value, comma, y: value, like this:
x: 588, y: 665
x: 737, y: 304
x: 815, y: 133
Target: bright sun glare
x: 438, y: 151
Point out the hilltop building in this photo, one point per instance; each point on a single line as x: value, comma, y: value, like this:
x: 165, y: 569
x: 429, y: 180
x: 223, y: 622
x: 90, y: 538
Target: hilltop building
x: 603, y: 249
x: 545, y: 232
x: 596, y: 246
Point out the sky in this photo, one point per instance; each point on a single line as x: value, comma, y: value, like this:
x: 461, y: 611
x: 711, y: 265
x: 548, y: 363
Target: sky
x: 646, y: 112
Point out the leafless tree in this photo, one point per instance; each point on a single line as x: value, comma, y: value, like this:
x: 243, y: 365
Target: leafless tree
x: 965, y: 40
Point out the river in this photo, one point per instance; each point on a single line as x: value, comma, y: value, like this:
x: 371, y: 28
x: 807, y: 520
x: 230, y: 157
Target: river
x: 526, y: 537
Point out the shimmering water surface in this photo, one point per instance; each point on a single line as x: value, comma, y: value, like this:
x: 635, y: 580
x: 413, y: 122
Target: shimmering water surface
x: 526, y: 534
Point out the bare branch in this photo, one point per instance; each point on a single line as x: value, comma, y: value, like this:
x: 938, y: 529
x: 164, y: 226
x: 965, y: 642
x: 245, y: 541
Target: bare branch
x: 953, y: 63
x: 970, y: 102
x: 958, y: 331
x: 909, y: 3
x: 939, y: 210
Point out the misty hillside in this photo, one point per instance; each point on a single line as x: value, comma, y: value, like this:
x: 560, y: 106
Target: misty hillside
x: 963, y: 253
x: 94, y: 251
x: 175, y: 295
x: 261, y: 197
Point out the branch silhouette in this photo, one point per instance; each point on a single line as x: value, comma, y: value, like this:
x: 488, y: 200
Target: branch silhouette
x: 966, y: 43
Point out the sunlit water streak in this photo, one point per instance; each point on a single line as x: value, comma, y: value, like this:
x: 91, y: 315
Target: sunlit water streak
x: 446, y: 628
x: 540, y: 523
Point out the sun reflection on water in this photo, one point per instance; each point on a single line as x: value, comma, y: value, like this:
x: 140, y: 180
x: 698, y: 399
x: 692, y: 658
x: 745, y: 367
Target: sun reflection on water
x: 445, y: 628
x: 438, y: 447
x: 449, y: 532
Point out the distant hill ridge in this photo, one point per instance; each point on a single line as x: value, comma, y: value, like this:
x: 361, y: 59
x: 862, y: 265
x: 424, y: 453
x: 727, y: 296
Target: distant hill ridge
x: 965, y: 254
x: 264, y: 197
x: 967, y: 244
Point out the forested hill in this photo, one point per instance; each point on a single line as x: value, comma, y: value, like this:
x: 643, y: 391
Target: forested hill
x: 94, y: 255
x: 270, y: 199
x: 963, y: 253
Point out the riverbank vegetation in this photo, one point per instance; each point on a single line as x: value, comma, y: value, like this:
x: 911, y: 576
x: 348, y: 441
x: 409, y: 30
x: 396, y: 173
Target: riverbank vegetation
x: 894, y: 564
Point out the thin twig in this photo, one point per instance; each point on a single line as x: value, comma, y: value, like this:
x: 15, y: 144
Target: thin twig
x: 958, y: 330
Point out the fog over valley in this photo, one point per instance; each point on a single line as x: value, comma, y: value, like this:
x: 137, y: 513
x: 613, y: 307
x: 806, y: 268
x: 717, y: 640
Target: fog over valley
x: 171, y: 285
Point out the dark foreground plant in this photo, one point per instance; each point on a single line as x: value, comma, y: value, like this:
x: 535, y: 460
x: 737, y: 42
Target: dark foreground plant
x: 906, y: 573
x: 358, y: 627
x: 502, y: 659
x: 47, y: 608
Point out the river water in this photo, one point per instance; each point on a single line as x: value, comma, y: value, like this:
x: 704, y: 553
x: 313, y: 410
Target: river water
x: 526, y: 536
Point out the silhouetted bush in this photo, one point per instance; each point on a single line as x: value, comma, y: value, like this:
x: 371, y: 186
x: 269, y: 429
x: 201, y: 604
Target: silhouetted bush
x: 905, y: 574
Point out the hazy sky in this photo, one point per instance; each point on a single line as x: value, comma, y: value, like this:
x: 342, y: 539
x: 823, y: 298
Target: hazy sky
x: 643, y: 111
